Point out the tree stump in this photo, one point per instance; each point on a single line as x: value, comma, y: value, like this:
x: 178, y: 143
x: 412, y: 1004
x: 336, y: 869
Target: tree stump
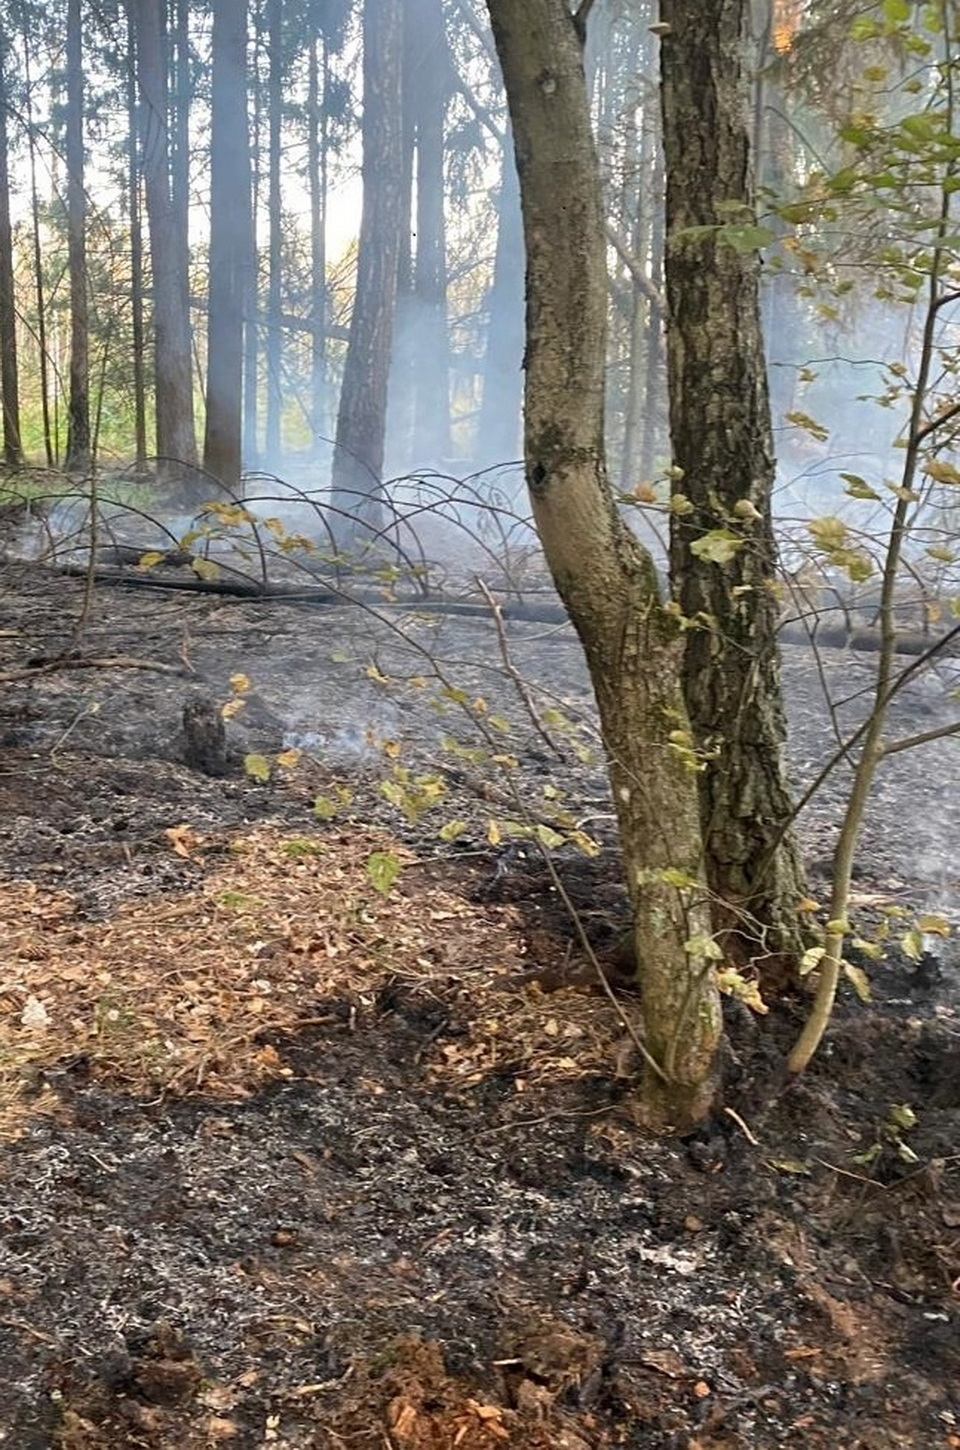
x: 205, y: 747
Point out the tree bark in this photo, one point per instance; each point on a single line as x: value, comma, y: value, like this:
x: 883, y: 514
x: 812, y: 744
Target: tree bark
x: 498, y: 432
x: 231, y: 244
x: 136, y: 250
x: 176, y: 436
x: 361, y: 419
x: 721, y: 438
x: 606, y: 580
x: 428, y: 83
x: 9, y: 370
x: 78, y: 402
x: 317, y: 183
x: 274, y: 348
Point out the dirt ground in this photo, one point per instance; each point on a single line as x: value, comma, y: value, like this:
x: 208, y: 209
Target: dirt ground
x: 295, y: 1160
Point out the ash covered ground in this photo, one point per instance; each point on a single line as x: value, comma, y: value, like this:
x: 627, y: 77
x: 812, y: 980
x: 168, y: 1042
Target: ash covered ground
x: 413, y: 1207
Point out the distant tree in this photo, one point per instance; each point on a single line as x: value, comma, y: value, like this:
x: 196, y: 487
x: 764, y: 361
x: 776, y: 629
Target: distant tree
x: 78, y: 406
x: 176, y: 438
x: 137, y: 308
x: 361, y: 419
x: 231, y: 243
x: 427, y: 82
x: 277, y: 71
x: 9, y: 369
x: 498, y: 431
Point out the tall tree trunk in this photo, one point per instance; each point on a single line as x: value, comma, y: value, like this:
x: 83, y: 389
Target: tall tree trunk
x: 176, y: 435
x: 78, y: 405
x: 136, y: 250
x: 720, y: 432
x: 251, y: 304
x: 231, y: 243
x: 403, y: 352
x: 317, y: 76
x: 361, y: 419
x: 9, y: 371
x: 429, y: 83
x: 498, y: 431
x: 50, y: 450
x: 275, y: 221
x: 607, y: 581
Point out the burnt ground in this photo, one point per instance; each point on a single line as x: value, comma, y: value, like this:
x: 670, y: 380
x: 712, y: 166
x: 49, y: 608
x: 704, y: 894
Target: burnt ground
x: 291, y: 1161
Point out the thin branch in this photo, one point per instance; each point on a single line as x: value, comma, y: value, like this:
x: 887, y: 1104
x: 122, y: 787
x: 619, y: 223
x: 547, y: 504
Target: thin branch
x: 523, y: 689
x: 105, y: 662
x: 637, y: 275
x: 909, y: 741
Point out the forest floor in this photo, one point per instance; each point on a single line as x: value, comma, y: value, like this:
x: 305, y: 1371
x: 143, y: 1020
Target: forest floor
x: 293, y: 1160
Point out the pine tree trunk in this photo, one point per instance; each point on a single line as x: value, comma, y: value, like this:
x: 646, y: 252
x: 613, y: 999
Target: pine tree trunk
x: 9, y: 370
x: 78, y: 402
x: 231, y: 244
x: 317, y: 181
x: 498, y: 431
x: 176, y: 437
x: 720, y: 432
x: 429, y: 84
x: 136, y: 252
x: 607, y: 581
x: 361, y: 419
x: 275, y: 221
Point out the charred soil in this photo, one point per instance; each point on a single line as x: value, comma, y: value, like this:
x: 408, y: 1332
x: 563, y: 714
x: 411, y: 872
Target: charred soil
x: 294, y: 1161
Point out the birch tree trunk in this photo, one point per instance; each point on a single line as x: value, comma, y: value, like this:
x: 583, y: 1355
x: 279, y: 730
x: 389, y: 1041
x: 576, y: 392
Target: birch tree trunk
x: 607, y: 581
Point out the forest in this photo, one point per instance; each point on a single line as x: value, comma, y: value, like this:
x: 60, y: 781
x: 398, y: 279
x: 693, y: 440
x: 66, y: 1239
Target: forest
x: 479, y: 635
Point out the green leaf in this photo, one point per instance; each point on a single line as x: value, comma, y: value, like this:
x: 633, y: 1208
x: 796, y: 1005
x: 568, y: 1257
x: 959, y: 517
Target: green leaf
x: 911, y: 944
x: 858, y: 487
x: 747, y: 237
x: 257, y: 767
x: 383, y: 868
x: 549, y: 838
x: 809, y: 425
x: 324, y: 808
x: 452, y: 830
x: 896, y: 11
x: 719, y: 546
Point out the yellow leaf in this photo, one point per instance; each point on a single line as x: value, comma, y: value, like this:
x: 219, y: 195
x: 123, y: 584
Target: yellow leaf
x: 933, y: 925
x: 493, y: 833
x: 231, y: 708
x: 941, y: 471
x: 287, y: 759
x: 239, y: 683
x: 149, y: 559
x: 257, y: 767
x: 205, y: 568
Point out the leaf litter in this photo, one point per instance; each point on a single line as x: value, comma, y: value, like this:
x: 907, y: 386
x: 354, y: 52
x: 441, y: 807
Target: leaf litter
x: 294, y: 1161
